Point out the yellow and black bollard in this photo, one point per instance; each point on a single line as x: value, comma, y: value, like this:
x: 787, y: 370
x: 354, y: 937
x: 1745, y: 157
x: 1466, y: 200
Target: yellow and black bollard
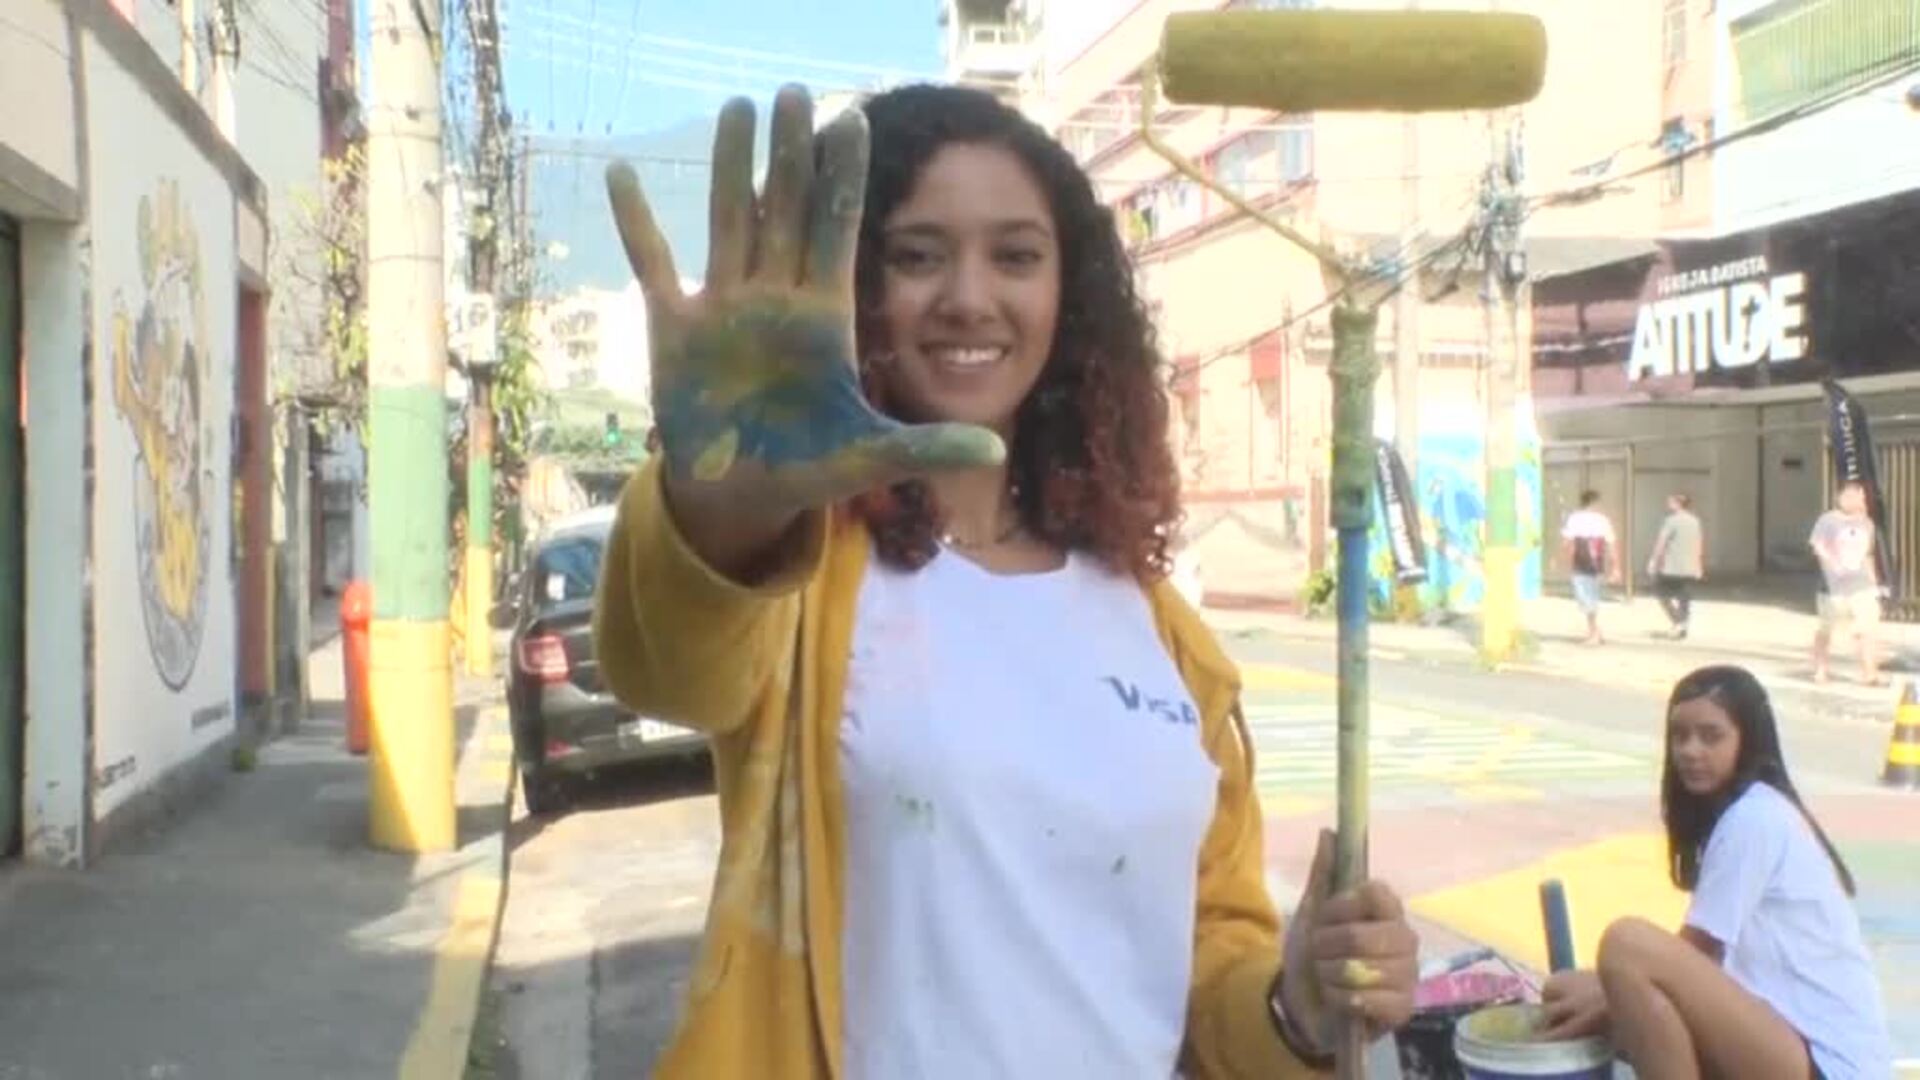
x: 1903, y: 747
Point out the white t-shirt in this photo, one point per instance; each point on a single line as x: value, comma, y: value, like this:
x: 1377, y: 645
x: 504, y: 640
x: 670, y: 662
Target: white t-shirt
x: 1769, y: 894
x: 1026, y: 796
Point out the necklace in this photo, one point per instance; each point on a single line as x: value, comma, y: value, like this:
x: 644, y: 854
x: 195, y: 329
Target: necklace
x: 1013, y: 529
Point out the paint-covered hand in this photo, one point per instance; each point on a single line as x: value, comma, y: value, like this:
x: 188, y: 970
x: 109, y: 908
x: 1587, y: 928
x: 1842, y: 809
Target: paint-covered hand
x: 755, y: 391
x: 1348, y: 954
x: 1574, y: 1004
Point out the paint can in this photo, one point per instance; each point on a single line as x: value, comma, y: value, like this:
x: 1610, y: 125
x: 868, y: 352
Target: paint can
x: 1425, y: 1042
x: 1499, y: 1044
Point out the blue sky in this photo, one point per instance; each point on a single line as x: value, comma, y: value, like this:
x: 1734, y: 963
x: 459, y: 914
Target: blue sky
x: 643, y: 79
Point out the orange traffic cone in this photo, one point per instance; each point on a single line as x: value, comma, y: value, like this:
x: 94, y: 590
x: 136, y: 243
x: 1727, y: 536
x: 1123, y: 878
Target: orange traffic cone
x: 1903, y: 749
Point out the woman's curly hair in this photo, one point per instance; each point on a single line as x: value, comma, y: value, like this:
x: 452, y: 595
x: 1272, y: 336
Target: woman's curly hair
x: 1089, y: 457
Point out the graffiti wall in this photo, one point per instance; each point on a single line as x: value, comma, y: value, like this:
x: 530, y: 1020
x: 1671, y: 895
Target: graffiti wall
x: 164, y: 297
x: 1451, y: 488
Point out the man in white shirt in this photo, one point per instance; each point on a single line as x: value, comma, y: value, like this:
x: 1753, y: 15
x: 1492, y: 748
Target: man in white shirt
x: 1587, y: 539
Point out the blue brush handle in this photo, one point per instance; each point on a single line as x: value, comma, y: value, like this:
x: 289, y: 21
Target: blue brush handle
x: 1553, y: 912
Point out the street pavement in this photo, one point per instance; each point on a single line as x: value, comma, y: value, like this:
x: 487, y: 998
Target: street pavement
x: 1484, y: 784
x: 258, y: 934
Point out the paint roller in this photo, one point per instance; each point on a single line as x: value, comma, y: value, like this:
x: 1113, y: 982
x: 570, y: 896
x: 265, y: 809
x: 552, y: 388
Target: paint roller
x: 1353, y: 61
x: 1345, y: 61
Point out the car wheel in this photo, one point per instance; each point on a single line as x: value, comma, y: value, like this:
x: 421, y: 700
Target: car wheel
x: 546, y: 793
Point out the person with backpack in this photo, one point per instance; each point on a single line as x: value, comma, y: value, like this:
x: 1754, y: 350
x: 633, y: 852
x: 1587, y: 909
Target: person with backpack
x: 1588, y: 542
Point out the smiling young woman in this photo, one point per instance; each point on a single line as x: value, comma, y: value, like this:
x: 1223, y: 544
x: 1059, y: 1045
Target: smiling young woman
x: 987, y: 797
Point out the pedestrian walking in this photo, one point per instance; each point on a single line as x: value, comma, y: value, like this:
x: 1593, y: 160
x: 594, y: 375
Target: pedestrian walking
x: 1679, y: 560
x: 1587, y: 540
x: 988, y: 800
x: 1769, y: 977
x: 1843, y: 540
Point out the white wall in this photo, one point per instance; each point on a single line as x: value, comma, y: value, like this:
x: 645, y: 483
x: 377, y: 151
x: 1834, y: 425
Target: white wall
x: 162, y: 261
x: 277, y: 129
x: 55, y: 795
x: 33, y: 68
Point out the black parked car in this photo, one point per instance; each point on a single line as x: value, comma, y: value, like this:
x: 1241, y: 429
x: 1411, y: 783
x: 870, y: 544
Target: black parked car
x: 565, y: 723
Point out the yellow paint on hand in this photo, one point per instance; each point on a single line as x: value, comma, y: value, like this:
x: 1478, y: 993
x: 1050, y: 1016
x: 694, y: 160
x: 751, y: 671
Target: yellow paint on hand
x: 410, y: 786
x: 1605, y: 880
x: 1360, y: 973
x: 439, y: 1046
x: 717, y: 459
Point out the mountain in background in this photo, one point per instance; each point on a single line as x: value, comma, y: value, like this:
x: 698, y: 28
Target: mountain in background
x: 569, y: 201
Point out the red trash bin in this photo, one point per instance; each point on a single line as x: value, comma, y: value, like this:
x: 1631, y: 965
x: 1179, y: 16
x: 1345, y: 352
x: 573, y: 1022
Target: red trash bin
x: 356, y: 614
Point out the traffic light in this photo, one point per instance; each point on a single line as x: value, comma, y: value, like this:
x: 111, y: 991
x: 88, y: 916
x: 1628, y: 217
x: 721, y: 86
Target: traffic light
x: 611, y: 437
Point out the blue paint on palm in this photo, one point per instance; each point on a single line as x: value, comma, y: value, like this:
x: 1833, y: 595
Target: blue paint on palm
x: 780, y: 378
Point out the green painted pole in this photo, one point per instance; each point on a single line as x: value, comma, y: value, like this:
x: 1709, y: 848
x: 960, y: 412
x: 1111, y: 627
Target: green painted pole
x: 411, y: 804
x: 479, y: 554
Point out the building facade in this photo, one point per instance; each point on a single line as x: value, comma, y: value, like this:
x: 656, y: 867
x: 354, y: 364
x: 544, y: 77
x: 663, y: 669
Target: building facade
x: 1697, y: 365
x: 1242, y: 314
x: 136, y: 327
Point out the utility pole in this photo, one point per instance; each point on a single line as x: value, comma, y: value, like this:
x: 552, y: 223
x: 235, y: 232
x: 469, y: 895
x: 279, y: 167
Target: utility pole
x: 223, y: 34
x: 1505, y: 278
x: 411, y: 805
x: 1406, y: 321
x: 483, y: 243
x: 189, y: 47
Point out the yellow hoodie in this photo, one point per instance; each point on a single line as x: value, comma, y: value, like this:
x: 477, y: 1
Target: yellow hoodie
x: 763, y: 671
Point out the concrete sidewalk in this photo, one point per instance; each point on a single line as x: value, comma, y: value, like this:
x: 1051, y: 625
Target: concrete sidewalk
x: 259, y: 935
x: 1771, y: 639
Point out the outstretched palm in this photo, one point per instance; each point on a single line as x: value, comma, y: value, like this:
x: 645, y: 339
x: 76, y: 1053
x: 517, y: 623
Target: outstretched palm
x: 754, y: 387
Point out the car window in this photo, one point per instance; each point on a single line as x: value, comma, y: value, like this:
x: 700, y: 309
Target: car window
x: 565, y: 570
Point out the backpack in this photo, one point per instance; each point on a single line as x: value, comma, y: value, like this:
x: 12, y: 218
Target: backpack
x: 1589, y: 555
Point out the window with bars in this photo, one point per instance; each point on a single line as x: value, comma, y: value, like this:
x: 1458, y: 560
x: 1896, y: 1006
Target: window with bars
x: 1788, y: 55
x: 1673, y: 32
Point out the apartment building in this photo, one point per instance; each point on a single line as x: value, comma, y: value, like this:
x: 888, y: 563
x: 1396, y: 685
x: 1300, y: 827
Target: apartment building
x: 1697, y: 364
x: 140, y: 338
x: 1242, y: 314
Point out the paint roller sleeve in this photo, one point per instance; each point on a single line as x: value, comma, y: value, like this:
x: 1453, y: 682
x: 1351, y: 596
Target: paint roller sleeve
x: 1353, y: 61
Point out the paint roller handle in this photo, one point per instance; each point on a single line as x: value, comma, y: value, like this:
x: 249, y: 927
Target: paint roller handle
x: 756, y: 391
x: 1559, y: 926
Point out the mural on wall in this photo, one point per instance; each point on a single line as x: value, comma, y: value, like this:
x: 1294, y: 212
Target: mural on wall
x: 1453, y: 519
x: 162, y: 359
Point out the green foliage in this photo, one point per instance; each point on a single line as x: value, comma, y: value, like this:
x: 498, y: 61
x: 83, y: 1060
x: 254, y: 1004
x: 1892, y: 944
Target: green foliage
x: 1317, y: 595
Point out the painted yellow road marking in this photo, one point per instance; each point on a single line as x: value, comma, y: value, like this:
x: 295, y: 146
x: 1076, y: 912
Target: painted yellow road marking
x: 1620, y: 875
x: 438, y: 1049
x: 500, y: 744
x: 1279, y: 677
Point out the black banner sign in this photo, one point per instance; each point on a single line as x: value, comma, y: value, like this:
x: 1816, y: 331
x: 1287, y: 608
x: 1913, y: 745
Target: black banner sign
x: 1853, y: 463
x: 1402, y: 519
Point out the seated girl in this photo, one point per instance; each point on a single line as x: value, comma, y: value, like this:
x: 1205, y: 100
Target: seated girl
x: 1769, y: 977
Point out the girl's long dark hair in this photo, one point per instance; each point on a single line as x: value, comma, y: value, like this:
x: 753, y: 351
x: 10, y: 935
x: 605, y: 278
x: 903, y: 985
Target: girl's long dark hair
x: 1690, y: 818
x: 1089, y: 457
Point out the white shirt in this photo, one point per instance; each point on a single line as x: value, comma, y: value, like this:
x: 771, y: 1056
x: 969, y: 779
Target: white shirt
x: 1769, y: 893
x: 1587, y: 525
x: 1026, y: 796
